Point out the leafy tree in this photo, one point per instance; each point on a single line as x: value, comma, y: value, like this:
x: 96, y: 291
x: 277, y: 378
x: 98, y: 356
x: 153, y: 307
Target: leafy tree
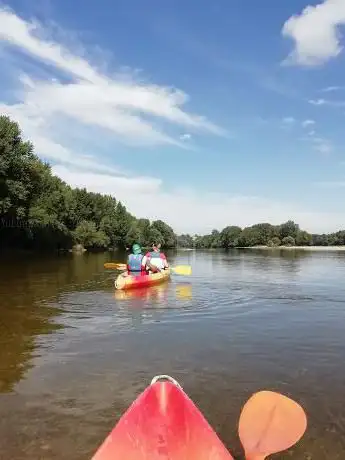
x: 155, y: 236
x: 144, y: 226
x: 288, y: 241
x: 134, y: 235
x: 21, y: 172
x: 275, y: 241
x: 303, y: 238
x: 215, y: 237
x: 185, y: 241
x: 289, y: 228
x: 229, y: 237
x: 168, y: 237
x: 266, y: 232
x: 87, y: 234
x: 250, y: 236
x: 320, y: 240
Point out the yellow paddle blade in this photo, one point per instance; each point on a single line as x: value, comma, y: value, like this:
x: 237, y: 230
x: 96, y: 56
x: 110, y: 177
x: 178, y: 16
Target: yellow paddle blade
x: 182, y: 269
x: 270, y: 423
x: 115, y: 266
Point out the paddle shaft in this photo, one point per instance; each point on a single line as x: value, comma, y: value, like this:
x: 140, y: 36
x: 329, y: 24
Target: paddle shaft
x: 178, y: 270
x: 255, y: 457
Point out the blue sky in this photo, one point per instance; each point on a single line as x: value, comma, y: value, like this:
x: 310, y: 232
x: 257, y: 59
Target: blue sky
x: 204, y: 115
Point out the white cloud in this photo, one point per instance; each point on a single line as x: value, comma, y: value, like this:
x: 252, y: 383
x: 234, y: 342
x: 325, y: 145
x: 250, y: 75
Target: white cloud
x: 185, y: 137
x: 132, y: 112
x: 317, y: 101
x: 307, y: 123
x: 36, y: 129
x: 330, y: 89
x: 289, y: 120
x: 315, y: 33
x: 320, y: 102
x: 324, y: 148
x: 319, y: 144
x: 322, y: 145
x: 107, y: 183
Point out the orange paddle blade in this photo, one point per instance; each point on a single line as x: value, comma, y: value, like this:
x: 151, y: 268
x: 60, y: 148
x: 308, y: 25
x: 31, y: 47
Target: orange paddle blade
x: 270, y: 423
x: 115, y: 266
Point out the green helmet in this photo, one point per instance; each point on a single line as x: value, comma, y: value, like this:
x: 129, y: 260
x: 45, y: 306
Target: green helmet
x: 136, y: 248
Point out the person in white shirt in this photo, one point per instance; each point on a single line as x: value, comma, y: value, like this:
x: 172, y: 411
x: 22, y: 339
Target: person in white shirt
x: 155, y: 260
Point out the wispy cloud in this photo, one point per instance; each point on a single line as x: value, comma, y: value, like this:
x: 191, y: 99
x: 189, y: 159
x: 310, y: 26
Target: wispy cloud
x: 185, y: 137
x: 330, y: 89
x: 323, y: 147
x: 321, y: 144
x: 315, y: 33
x: 289, y: 120
x: 132, y: 112
x: 327, y: 102
x: 307, y: 123
x: 317, y: 101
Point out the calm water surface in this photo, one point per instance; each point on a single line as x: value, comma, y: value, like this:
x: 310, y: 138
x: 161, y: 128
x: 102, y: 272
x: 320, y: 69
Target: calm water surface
x: 74, y: 354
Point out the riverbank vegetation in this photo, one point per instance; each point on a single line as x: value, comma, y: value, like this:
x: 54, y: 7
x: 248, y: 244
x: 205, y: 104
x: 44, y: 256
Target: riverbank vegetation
x: 287, y: 234
x: 38, y: 211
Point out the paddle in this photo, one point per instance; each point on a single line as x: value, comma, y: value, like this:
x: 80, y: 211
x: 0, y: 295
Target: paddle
x: 178, y: 270
x: 182, y: 270
x: 270, y: 423
x: 115, y: 266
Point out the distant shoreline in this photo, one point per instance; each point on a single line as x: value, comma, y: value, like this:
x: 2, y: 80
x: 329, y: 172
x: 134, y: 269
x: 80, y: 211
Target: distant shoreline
x: 304, y: 248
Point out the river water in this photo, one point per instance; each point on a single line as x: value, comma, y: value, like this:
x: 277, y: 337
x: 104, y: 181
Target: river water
x: 74, y: 353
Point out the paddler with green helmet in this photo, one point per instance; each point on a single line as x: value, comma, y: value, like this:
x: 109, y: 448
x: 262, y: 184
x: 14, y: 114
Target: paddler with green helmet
x: 134, y: 261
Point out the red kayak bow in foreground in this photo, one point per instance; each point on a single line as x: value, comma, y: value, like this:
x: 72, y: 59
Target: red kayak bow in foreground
x: 164, y: 424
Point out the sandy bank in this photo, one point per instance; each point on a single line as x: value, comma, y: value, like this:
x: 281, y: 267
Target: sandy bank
x: 304, y: 248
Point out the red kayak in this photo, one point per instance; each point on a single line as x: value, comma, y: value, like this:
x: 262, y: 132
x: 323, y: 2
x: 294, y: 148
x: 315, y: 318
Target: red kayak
x: 162, y: 423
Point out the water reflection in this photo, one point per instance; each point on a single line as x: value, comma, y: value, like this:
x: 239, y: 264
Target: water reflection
x: 153, y: 294
x: 156, y: 295
x: 149, y: 304
x: 28, y: 287
x: 19, y: 327
x: 184, y: 291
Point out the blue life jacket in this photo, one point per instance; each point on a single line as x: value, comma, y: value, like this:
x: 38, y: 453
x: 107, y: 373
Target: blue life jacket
x: 134, y: 262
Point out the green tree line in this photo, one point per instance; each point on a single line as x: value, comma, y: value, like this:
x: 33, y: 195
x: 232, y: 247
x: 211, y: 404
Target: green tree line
x: 40, y: 211
x: 263, y: 234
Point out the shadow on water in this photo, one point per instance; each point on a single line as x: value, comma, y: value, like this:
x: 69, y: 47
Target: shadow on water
x: 27, y: 287
x: 74, y: 353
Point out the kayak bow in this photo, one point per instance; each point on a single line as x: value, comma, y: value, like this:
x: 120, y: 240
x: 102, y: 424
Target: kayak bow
x: 162, y: 423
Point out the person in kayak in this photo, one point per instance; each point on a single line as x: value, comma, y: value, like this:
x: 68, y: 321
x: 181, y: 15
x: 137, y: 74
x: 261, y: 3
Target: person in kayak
x: 155, y: 260
x: 135, y: 261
